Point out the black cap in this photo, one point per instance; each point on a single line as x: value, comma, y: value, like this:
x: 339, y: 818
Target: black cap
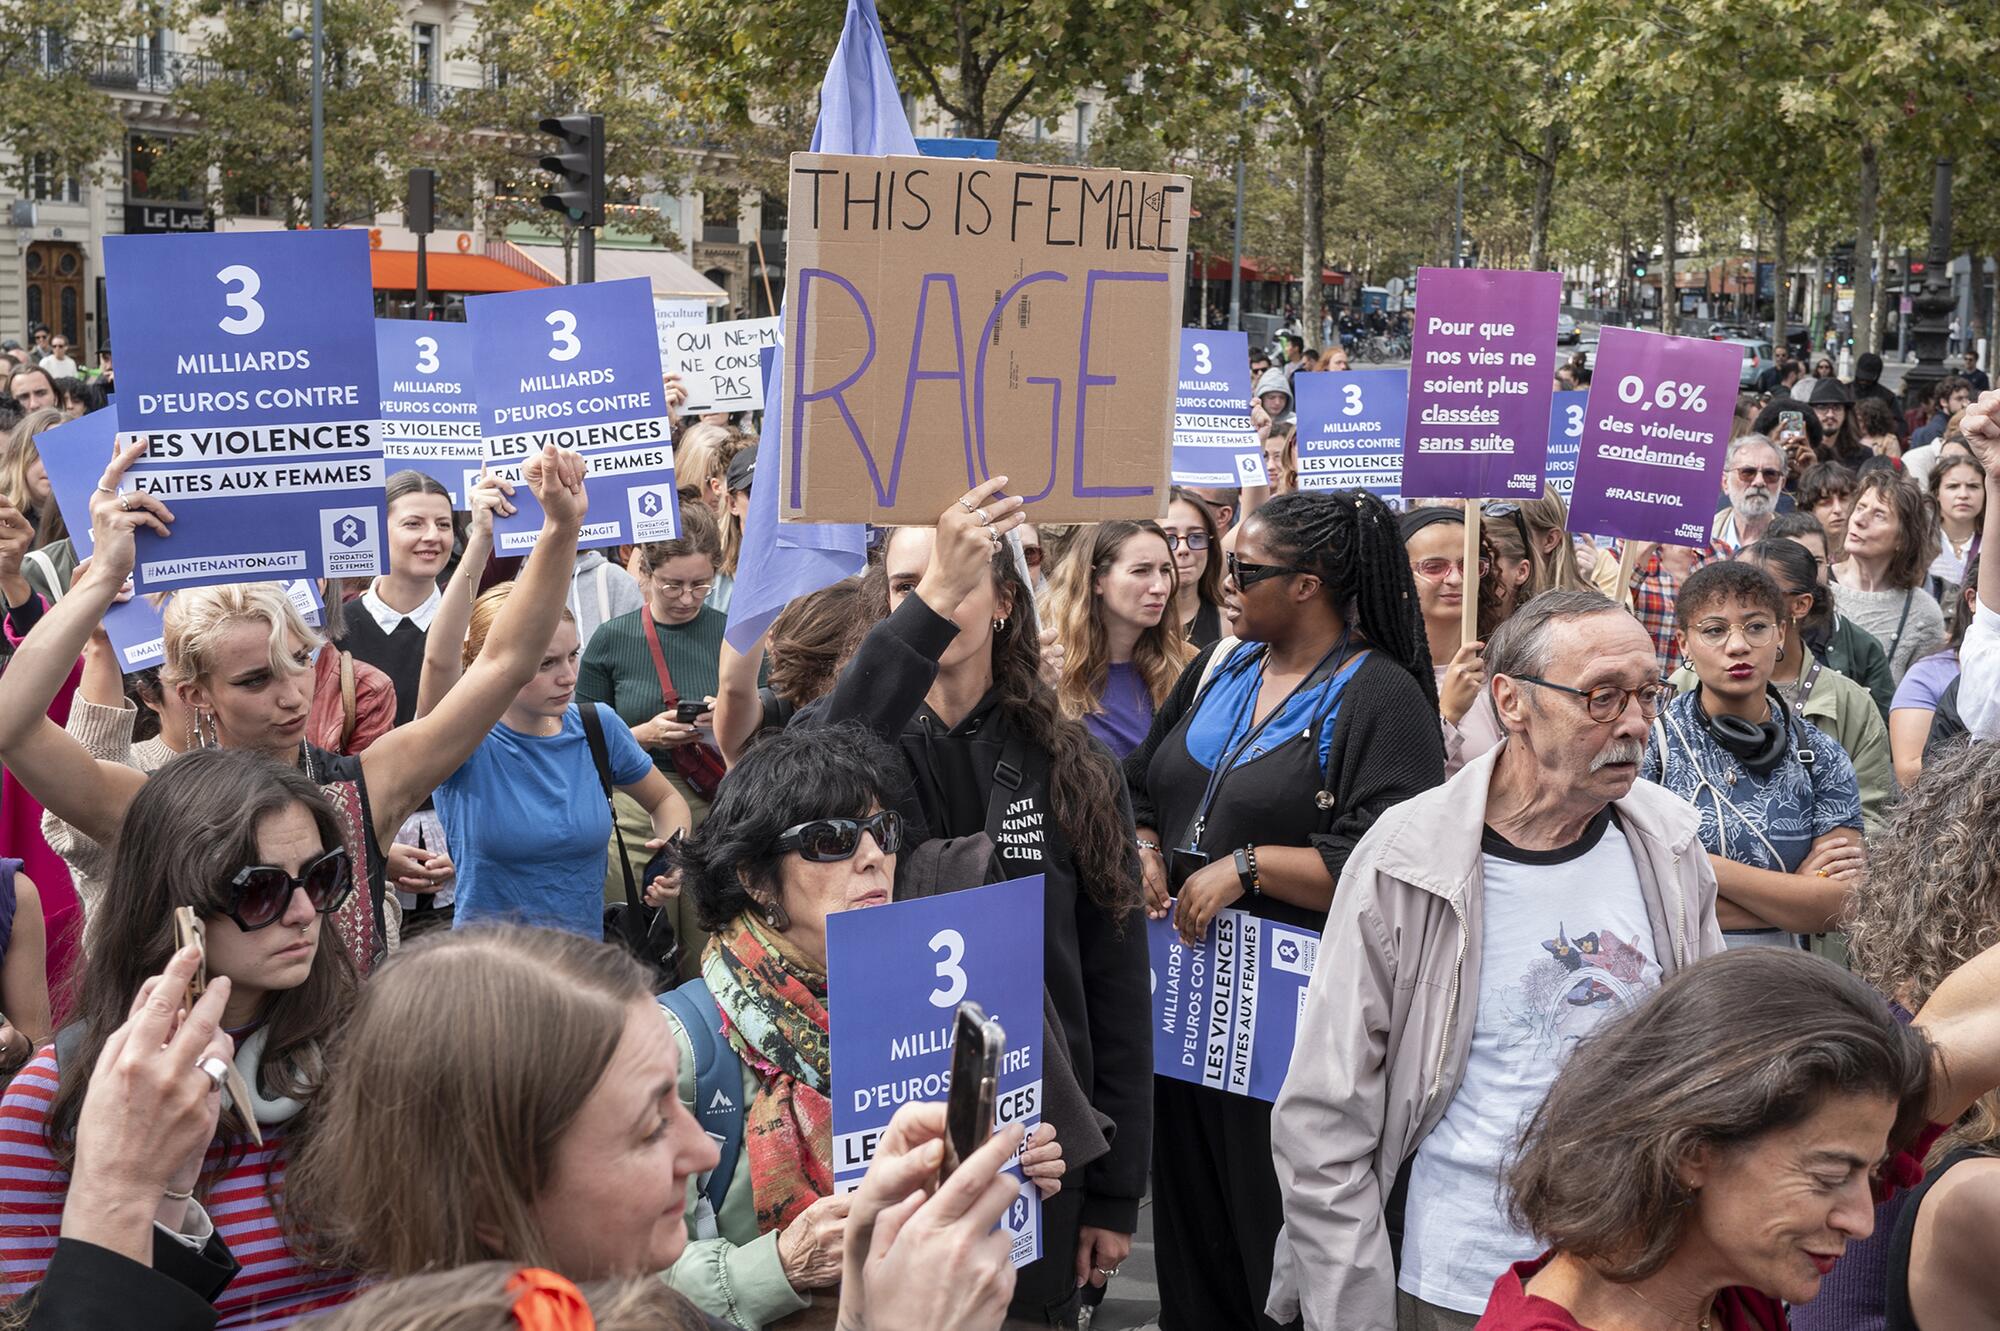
x: 1868, y: 366
x: 743, y: 469
x: 1828, y: 392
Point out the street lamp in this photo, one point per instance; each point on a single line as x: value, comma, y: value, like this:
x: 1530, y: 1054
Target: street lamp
x: 318, y: 113
x: 1933, y: 304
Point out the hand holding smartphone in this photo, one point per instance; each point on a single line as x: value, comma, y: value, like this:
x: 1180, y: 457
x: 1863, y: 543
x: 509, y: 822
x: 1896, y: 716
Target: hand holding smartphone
x: 976, y: 1046
x: 189, y: 931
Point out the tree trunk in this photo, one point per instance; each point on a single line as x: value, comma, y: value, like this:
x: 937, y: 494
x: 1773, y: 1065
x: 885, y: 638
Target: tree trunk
x: 1670, y: 296
x: 1881, y: 287
x: 1864, y: 248
x: 1313, y: 249
x: 1781, y: 290
x: 1545, y: 196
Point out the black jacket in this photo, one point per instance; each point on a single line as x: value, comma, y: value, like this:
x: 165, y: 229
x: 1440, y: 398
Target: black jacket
x: 88, y: 1288
x: 1097, y: 970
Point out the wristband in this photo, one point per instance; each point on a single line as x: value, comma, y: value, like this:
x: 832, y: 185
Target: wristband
x: 1246, y: 870
x: 173, y: 1196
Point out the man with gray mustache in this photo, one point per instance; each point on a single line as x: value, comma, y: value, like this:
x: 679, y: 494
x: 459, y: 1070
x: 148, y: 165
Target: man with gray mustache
x: 1753, y: 476
x: 1463, y: 960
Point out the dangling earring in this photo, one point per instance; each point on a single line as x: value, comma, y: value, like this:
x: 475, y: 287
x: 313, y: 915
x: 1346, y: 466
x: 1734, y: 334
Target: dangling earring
x: 203, y: 736
x: 776, y: 916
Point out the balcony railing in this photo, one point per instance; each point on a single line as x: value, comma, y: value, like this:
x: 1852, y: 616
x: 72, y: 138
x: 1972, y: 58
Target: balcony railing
x: 429, y: 96
x: 130, y: 66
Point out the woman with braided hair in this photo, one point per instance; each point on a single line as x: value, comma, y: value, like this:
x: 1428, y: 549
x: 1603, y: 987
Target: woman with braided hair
x: 1270, y: 759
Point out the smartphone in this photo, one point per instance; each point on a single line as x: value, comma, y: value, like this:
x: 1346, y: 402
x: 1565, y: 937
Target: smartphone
x: 664, y: 860
x: 1791, y: 422
x: 1182, y: 864
x: 689, y: 712
x: 976, y: 1045
x: 189, y: 931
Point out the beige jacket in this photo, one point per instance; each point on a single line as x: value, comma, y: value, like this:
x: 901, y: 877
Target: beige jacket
x: 1387, y: 1026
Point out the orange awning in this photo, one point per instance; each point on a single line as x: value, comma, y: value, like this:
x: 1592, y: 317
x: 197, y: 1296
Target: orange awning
x: 396, y: 270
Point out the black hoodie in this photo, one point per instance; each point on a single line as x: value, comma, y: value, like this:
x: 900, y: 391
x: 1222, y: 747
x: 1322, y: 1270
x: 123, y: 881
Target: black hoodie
x: 1097, y: 972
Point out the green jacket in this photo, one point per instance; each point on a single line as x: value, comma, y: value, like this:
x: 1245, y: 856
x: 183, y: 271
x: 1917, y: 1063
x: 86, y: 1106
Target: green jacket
x: 1845, y: 711
x: 735, y: 1276
x: 1857, y: 654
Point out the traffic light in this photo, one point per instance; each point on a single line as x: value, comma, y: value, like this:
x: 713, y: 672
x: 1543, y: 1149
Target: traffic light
x: 1638, y: 264
x: 1843, y: 265
x: 578, y: 167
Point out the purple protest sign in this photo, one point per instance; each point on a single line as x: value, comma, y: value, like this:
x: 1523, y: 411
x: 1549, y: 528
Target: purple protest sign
x: 1654, y: 434
x: 1480, y: 365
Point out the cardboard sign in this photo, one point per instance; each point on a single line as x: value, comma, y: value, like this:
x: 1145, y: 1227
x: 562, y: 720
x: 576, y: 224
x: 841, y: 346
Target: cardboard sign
x: 247, y: 362
x: 1214, y: 441
x: 430, y: 422
x: 1480, y: 365
x: 951, y: 320
x: 74, y: 456
x: 1351, y: 430
x: 575, y: 367
x: 717, y: 364
x: 1565, y: 436
x: 1655, y: 431
x: 895, y: 977
x: 1225, y: 1011
x: 671, y: 315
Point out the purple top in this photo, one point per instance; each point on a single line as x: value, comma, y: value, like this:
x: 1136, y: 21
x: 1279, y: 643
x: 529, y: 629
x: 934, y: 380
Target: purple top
x: 1128, y: 711
x: 1925, y: 682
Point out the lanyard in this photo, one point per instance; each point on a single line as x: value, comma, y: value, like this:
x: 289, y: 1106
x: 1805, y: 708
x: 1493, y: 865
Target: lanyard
x: 1231, y: 756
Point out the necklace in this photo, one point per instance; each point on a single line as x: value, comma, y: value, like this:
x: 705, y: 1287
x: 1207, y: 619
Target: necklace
x: 1707, y: 1315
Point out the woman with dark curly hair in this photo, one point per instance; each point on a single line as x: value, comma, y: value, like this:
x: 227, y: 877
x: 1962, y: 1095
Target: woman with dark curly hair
x: 1267, y: 763
x: 1710, y: 1157
x: 952, y: 678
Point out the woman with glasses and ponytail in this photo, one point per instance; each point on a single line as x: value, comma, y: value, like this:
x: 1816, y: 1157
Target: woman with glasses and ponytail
x: 1196, y: 541
x: 952, y: 679
x: 1779, y: 805
x: 256, y: 850
x: 1265, y: 766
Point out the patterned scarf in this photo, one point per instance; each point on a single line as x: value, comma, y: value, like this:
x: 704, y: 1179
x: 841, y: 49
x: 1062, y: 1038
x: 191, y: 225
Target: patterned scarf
x: 774, y: 1016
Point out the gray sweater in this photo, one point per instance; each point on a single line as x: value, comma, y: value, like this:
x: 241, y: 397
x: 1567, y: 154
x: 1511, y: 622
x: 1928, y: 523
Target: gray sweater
x: 1880, y: 612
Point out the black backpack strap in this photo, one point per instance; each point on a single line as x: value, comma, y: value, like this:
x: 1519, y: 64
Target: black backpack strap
x: 600, y: 755
x: 1008, y: 774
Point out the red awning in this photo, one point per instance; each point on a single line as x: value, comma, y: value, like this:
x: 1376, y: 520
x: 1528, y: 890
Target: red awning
x: 396, y: 270
x: 1215, y: 268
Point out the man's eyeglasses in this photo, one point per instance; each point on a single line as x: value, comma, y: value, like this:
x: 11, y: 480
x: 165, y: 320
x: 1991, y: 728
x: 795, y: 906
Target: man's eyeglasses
x: 674, y: 591
x: 1438, y: 568
x: 1249, y: 575
x: 1196, y: 540
x: 1751, y: 475
x: 831, y: 840
x: 260, y: 893
x: 1607, y: 702
x: 1715, y: 632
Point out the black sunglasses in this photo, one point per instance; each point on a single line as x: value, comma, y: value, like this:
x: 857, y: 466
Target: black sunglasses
x: 831, y: 840
x: 1249, y: 575
x: 1504, y: 510
x: 259, y: 893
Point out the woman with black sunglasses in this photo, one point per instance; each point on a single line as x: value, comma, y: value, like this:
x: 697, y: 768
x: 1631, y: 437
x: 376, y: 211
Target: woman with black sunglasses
x: 801, y: 829
x: 1264, y: 767
x: 256, y: 850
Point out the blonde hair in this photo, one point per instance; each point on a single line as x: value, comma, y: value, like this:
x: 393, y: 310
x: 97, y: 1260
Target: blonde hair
x: 704, y: 455
x: 476, y: 1298
x: 489, y: 1039
x: 1073, y: 610
x: 21, y: 453
x: 485, y: 614
x: 1557, y: 570
x: 197, y: 618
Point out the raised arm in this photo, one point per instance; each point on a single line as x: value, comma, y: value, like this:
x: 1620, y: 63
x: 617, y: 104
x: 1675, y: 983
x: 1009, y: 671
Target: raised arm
x: 1979, y: 656
x: 89, y: 795
x: 737, y: 707
x: 444, y: 644
x: 407, y: 764
x: 1962, y: 1016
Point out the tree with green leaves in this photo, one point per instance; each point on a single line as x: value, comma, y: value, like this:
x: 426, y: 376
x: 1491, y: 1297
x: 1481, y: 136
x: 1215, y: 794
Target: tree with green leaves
x: 51, y: 115
x: 252, y: 141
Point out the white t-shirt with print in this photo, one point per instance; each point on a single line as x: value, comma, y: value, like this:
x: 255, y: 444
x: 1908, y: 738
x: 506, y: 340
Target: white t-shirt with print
x: 1566, y: 944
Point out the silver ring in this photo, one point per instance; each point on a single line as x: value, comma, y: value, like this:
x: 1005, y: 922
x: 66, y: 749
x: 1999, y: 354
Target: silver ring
x: 985, y: 518
x: 965, y: 504
x: 105, y: 488
x: 125, y: 502
x: 1107, y: 1271
x: 215, y: 1068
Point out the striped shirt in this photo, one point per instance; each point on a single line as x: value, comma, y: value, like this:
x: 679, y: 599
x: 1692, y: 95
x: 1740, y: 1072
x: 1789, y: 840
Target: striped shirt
x: 274, y: 1289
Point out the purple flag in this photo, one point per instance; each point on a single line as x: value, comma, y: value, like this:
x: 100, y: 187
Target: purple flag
x: 1481, y: 360
x: 1654, y: 434
x: 860, y: 111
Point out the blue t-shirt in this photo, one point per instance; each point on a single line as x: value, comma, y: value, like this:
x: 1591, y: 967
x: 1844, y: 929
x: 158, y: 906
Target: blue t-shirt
x: 528, y: 825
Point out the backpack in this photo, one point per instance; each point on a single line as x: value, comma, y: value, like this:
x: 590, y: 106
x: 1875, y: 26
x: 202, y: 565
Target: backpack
x: 718, y: 1093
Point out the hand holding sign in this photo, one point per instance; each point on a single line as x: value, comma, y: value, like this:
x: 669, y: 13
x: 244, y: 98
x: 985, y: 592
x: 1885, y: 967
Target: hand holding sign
x: 809, y: 1249
x: 555, y: 478
x: 114, y: 517
x: 968, y: 533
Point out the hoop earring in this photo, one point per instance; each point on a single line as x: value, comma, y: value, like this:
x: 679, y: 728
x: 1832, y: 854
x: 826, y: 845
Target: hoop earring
x: 1000, y: 625
x: 202, y: 736
x: 776, y: 916
x: 1781, y: 651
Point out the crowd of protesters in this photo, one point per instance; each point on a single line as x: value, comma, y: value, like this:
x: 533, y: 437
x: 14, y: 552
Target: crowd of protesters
x: 1695, y: 1024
